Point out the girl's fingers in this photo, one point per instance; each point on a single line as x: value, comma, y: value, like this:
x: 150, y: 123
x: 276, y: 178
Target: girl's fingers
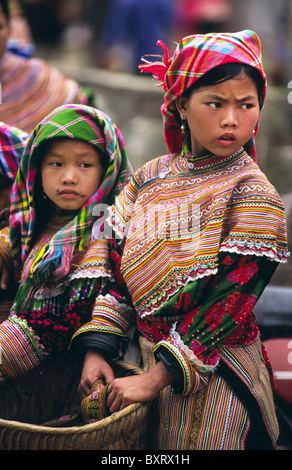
x: 116, y: 405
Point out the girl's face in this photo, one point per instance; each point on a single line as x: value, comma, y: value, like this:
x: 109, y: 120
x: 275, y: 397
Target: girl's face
x: 71, y: 172
x: 221, y: 117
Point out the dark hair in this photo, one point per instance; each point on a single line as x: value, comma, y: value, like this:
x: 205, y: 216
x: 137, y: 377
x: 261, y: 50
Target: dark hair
x: 5, y: 8
x: 5, y: 182
x: 225, y: 72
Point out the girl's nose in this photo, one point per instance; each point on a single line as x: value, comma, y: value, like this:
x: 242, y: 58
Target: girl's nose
x: 230, y: 118
x: 69, y: 176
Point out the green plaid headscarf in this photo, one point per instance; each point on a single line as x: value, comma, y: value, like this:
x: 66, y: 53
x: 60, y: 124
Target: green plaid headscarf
x: 73, y: 122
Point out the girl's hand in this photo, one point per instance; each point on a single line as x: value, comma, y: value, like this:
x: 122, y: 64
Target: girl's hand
x: 94, y: 367
x: 5, y: 274
x: 137, y: 388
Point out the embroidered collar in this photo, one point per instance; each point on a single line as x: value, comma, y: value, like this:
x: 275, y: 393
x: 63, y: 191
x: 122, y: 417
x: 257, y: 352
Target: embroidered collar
x: 187, y: 161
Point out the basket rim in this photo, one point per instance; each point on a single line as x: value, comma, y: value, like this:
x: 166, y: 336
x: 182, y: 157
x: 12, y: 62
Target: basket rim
x: 35, y: 428
x: 117, y: 416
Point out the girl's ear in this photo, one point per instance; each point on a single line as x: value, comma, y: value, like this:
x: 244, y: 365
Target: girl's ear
x: 180, y: 103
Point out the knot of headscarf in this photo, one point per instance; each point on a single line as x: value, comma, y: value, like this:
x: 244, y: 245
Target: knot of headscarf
x: 193, y: 57
x: 72, y: 122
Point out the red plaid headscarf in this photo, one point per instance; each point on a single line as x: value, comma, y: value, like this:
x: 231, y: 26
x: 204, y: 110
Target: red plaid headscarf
x: 193, y: 57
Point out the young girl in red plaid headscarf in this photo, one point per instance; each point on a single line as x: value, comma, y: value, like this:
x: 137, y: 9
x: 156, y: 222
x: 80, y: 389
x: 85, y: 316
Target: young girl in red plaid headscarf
x: 202, y: 231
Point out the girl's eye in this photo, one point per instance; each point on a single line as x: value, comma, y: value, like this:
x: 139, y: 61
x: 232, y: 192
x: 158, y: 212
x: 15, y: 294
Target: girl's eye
x: 85, y: 165
x: 214, y: 104
x: 247, y: 106
x: 56, y: 164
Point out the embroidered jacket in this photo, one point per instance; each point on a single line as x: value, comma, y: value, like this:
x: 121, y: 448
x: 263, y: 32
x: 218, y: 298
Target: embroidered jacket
x: 199, y: 241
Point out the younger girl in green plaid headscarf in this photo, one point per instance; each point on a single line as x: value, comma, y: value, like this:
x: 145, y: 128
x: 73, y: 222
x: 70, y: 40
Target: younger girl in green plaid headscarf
x: 75, y: 159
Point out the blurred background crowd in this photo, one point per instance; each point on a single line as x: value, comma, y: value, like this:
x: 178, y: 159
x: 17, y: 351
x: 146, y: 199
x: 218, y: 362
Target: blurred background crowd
x: 114, y: 34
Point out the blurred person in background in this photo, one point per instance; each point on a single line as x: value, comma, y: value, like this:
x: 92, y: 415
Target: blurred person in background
x: 131, y: 29
x: 195, y: 16
x: 20, y: 40
x: 43, y: 17
x: 31, y: 88
x: 272, y: 21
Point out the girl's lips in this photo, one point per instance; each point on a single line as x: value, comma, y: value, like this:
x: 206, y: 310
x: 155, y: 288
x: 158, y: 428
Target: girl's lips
x: 68, y: 194
x: 227, y: 139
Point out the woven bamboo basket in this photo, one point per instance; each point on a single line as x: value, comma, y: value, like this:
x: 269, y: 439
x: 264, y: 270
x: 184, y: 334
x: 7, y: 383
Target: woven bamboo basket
x: 123, y: 430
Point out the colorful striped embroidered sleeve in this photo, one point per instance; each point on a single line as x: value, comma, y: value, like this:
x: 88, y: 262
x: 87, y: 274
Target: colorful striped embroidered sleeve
x: 222, y: 315
x: 110, y: 315
x: 112, y: 311
x: 5, y: 247
x: 6, y: 297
